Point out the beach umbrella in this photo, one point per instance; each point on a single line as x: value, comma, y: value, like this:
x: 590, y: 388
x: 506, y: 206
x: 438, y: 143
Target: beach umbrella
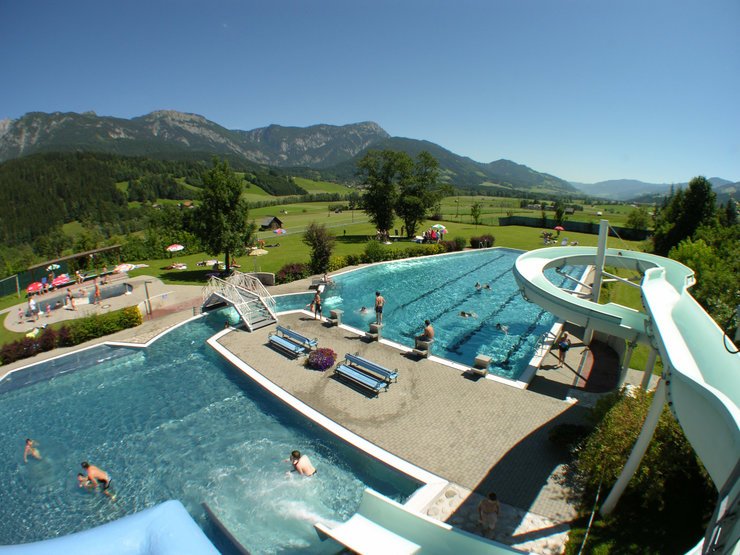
x: 559, y: 228
x: 35, y: 287
x: 439, y: 227
x: 256, y: 253
x: 279, y: 231
x: 51, y: 267
x: 174, y: 248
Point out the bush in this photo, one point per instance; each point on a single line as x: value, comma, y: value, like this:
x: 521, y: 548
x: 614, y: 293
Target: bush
x: 482, y: 241
x: 70, y: 334
x: 460, y: 242
x: 337, y: 263
x: 322, y: 358
x: 291, y: 272
x: 375, y: 252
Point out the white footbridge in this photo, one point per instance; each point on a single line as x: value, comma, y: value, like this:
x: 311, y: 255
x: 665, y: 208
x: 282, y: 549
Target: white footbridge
x: 246, y: 294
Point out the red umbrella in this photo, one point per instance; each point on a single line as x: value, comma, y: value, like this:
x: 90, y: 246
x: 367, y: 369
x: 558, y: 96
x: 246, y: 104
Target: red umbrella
x: 35, y: 287
x: 559, y: 228
x: 174, y: 248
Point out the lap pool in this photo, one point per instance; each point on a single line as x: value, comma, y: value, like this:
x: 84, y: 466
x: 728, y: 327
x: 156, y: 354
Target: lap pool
x: 172, y: 421
x: 439, y: 288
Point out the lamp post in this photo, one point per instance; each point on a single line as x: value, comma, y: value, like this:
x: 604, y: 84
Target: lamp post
x: 457, y: 208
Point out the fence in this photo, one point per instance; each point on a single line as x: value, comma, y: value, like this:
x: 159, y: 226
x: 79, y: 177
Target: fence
x: 576, y: 227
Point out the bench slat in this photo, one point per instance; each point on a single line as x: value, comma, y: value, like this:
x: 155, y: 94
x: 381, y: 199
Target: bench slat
x: 287, y: 345
x: 363, y: 379
x: 302, y: 339
x: 363, y: 363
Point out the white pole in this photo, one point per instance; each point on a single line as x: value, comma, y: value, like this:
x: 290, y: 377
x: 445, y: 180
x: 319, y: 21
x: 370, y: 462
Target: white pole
x: 638, y: 451
x: 599, y: 263
x: 649, y: 368
x: 626, y: 364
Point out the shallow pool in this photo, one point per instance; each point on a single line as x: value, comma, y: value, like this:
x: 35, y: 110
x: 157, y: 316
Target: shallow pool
x: 172, y: 421
x: 440, y: 288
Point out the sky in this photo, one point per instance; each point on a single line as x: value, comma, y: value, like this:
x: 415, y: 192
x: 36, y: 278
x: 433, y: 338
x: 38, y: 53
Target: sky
x: 587, y: 90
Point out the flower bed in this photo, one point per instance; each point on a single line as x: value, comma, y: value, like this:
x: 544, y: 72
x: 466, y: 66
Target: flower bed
x: 321, y: 359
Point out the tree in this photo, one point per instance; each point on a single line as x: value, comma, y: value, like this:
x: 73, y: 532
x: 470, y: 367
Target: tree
x: 638, y: 219
x: 221, y: 220
x: 418, y: 195
x: 683, y: 214
x: 321, y: 241
x: 559, y: 212
x: 475, y: 212
x: 382, y: 171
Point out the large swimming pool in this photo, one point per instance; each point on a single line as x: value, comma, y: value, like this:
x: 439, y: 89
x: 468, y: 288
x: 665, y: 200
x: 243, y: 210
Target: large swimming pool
x: 172, y: 421
x: 439, y: 288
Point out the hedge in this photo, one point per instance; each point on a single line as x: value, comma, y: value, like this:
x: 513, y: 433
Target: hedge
x: 71, y: 333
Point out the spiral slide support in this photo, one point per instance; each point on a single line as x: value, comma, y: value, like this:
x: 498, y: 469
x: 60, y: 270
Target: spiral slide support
x: 701, y: 372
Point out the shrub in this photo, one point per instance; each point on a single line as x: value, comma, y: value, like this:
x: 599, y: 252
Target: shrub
x: 337, y: 262
x: 568, y: 436
x: 354, y: 259
x: 374, y: 252
x: 460, y: 242
x: 70, y: 334
x: 291, y: 272
x: 482, y: 241
x: 322, y: 358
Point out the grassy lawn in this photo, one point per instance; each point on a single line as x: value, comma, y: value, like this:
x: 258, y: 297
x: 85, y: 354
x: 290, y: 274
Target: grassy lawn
x: 321, y: 186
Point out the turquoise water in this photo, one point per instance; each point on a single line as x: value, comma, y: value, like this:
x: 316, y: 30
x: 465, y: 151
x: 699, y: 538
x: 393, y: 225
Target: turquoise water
x: 440, y: 288
x: 173, y: 421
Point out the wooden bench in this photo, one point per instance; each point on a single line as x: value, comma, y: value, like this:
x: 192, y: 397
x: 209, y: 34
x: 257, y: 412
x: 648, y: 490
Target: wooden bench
x: 360, y: 378
x: 298, y: 338
x: 289, y: 347
x: 369, y: 366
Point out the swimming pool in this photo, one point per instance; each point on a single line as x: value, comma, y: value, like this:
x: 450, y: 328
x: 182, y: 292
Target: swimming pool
x: 439, y: 288
x: 173, y: 421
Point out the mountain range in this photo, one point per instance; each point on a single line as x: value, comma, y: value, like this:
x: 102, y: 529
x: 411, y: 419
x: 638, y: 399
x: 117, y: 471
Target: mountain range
x: 639, y: 191
x: 325, y: 151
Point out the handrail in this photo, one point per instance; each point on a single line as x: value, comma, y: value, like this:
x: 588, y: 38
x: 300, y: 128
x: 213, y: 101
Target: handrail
x: 235, y: 295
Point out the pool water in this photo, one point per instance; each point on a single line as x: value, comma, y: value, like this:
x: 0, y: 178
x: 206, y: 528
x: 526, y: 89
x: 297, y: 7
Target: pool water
x: 174, y: 422
x: 439, y: 288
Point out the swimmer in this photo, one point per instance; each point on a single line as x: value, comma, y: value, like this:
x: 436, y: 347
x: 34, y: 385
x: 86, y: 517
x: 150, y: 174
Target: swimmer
x: 464, y: 314
x: 363, y: 310
x: 83, y: 481
x: 31, y: 449
x: 502, y: 328
x: 98, y: 476
x: 477, y: 286
x: 486, y: 286
x: 301, y: 464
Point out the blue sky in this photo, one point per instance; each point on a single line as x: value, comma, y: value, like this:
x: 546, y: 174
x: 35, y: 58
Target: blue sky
x: 586, y: 90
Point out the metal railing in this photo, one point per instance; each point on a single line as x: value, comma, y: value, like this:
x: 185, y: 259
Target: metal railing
x: 249, y: 308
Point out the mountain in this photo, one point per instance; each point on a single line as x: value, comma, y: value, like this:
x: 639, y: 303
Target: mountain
x: 632, y: 189
x: 724, y: 190
x: 167, y: 132
x: 460, y: 171
x: 329, y: 151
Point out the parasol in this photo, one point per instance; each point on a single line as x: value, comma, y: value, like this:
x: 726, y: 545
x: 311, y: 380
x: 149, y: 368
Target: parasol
x: 256, y: 253
x: 439, y: 227
x: 51, y: 267
x: 174, y: 248
x: 559, y: 228
x: 35, y: 287
x: 279, y: 231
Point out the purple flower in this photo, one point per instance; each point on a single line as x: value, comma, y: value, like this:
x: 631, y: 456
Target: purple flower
x: 321, y: 359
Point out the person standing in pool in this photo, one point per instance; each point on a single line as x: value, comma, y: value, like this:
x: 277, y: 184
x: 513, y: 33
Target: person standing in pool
x: 379, y: 304
x: 317, y: 305
x: 32, y: 450
x: 302, y: 464
x: 98, y: 476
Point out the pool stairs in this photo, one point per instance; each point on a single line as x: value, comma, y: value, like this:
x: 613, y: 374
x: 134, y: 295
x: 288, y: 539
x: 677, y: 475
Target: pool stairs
x: 246, y: 294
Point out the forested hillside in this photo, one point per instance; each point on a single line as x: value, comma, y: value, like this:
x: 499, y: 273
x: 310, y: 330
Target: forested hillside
x: 40, y: 193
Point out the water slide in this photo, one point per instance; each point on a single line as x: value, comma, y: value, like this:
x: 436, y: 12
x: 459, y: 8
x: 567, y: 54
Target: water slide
x: 701, y: 373
x: 165, y: 529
